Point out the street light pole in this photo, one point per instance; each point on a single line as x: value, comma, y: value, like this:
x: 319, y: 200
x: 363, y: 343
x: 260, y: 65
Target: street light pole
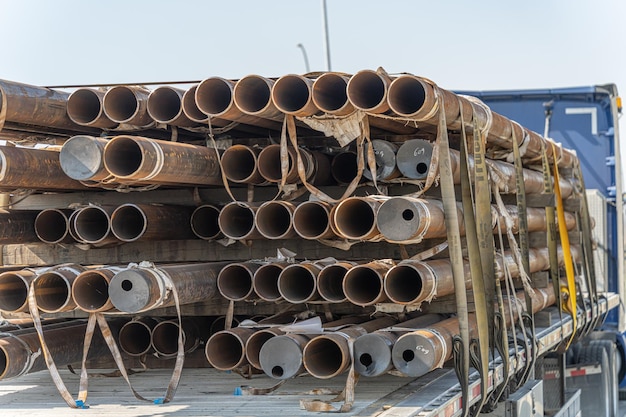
x: 306, y: 58
x: 326, y: 36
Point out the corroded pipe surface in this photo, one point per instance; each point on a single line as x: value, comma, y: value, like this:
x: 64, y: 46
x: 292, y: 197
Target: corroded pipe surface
x: 165, y: 105
x: 90, y: 289
x: 82, y: 158
x: 236, y: 221
x: 85, y: 108
x: 17, y: 226
x: 204, y: 222
x: 129, y: 105
x: 311, y: 220
x: 274, y: 219
x: 363, y: 284
x: 235, y: 281
x: 226, y: 350
x: 53, y: 226
x: 405, y: 218
x: 293, y: 94
x: 53, y: 288
x: 131, y: 222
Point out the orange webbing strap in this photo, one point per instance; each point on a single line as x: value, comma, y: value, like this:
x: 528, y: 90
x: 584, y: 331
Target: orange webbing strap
x: 569, y: 304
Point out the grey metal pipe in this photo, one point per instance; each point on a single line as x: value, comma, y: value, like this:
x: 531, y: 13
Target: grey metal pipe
x: 385, y: 157
x: 165, y: 105
x: 92, y: 224
x: 330, y: 96
x: 17, y: 226
x: 90, y: 289
x: 355, y: 218
x: 265, y: 281
x: 311, y: 220
x: 131, y: 222
x: 226, y: 350
x: 82, y: 158
x: 235, y: 281
x: 401, y: 219
x: 255, y: 343
x: 413, y: 158
x: 85, y: 108
x: 363, y: 285
x: 274, y: 219
x: 144, y: 288
x: 236, y: 221
x: 164, y: 338
x: 240, y: 164
x: 204, y: 222
x: 297, y: 283
x: 142, y: 160
x: 293, y: 94
x: 330, y: 281
x: 128, y: 105
x: 253, y: 96
x: 53, y: 288
x: 135, y: 337
x: 53, y: 226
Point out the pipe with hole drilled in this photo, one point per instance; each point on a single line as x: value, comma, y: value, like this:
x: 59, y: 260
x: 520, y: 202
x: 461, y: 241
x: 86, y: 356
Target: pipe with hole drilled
x: 82, y: 158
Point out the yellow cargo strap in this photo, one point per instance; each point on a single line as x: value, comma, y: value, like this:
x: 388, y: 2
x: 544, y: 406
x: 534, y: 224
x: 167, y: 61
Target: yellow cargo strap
x: 569, y: 303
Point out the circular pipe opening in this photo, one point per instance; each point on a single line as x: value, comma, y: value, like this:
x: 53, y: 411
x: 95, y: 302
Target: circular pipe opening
x: 252, y: 94
x: 84, y: 106
x: 190, y: 108
x: 329, y: 92
x: 164, y: 104
x: 408, y: 214
x: 330, y: 283
x: 51, y: 226
x: 165, y: 338
x: 366, y: 359
x: 235, y: 282
x: 236, y: 221
x: 265, y: 282
x: 291, y: 94
x: 128, y: 223
x: 224, y: 351
x: 362, y: 285
x: 239, y: 163
x: 323, y: 358
x: 52, y: 291
x: 254, y: 345
x: 273, y: 220
x: 406, y: 95
x: 127, y: 285
x: 421, y: 168
x: 344, y: 167
x: 296, y: 284
x: 13, y: 292
x: 204, y: 222
x: 123, y: 156
x: 355, y: 218
x: 120, y: 104
x: 403, y: 284
x: 135, y: 338
x: 366, y: 90
x: 214, y: 96
x: 269, y: 163
x: 92, y: 224
x: 277, y: 371
x: 408, y: 355
x: 310, y: 220
x: 91, y: 291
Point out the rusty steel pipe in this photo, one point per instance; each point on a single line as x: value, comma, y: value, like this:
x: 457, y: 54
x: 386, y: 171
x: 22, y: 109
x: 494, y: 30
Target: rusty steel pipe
x: 372, y: 351
x: 255, y: 343
x: 92, y: 224
x: 363, y: 285
x: 328, y: 355
x: 269, y: 164
x: 204, y: 222
x: 33, y: 169
x: 236, y: 221
x: 311, y: 220
x: 82, y: 158
x: 253, y: 96
x: 240, y: 164
x: 135, y: 159
x: 215, y: 98
x: 344, y: 167
x: 367, y: 91
x: 355, y: 218
x: 265, y: 281
x: 190, y: 108
x: 226, y: 349
x: 53, y: 226
x: 330, y: 95
x: 274, y: 219
x: 128, y: 105
x: 297, y: 283
x: 135, y: 337
x: 220, y: 324
x: 131, y: 222
x: 235, y: 281
x: 17, y: 226
x: 144, y: 288
x: 419, y: 352
x: 72, y: 226
x: 293, y: 94
x: 385, y: 157
x: 14, y: 290
x: 165, y: 105
x: 330, y: 281
x: 90, y: 289
x: 53, y: 288
x: 85, y: 108
x: 164, y: 338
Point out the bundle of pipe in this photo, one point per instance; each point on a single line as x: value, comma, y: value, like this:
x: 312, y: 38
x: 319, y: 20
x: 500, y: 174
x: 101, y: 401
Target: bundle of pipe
x: 17, y: 226
x: 90, y: 289
x: 363, y: 285
x: 85, y: 107
x: 81, y: 158
x: 235, y: 281
x: 143, y: 288
x: 14, y: 289
x: 265, y: 281
x: 297, y: 283
x: 132, y: 159
x: 328, y: 355
x: 164, y: 339
x: 131, y: 222
x: 19, y: 352
x: 311, y: 220
x: 355, y: 217
x: 128, y: 105
x: 413, y: 282
x: 53, y: 226
x: 135, y: 337
x: 274, y: 219
x: 204, y: 222
x: 92, y: 224
x: 372, y: 351
x: 419, y: 352
x: 281, y: 357
x: 414, y: 98
x: 34, y: 169
x: 226, y: 349
x: 165, y: 105
x: 53, y: 288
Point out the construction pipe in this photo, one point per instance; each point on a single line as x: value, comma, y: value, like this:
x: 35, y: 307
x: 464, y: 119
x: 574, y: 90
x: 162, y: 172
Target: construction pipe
x: 355, y: 218
x: 255, y: 343
x: 311, y: 220
x: 265, y: 281
x: 419, y: 352
x: 253, y: 96
x: 413, y: 158
x: 220, y: 324
x: 269, y: 164
x: 204, y: 222
x: 215, y: 98
x: 415, y: 98
x: 226, y: 349
x: 82, y: 158
x: 328, y: 355
x: 385, y: 157
x: 235, y: 281
x: 92, y: 224
x: 90, y: 289
x: 330, y: 281
x: 135, y: 337
x: 53, y: 226
x: 281, y: 357
x: 128, y: 105
x: 143, y: 288
x: 14, y: 290
x: 403, y: 219
x: 363, y: 284
x: 72, y: 227
x: 85, y: 108
x: 236, y: 221
x: 367, y: 91
x: 344, y: 167
x: 372, y: 351
x: 293, y: 94
x: 190, y: 108
x: 17, y: 226
x: 274, y: 219
x: 165, y: 105
x: 135, y: 159
x: 297, y: 283
x: 329, y: 94
x: 164, y: 339
x: 240, y: 164
x: 131, y: 222
x: 34, y: 169
x: 53, y: 288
